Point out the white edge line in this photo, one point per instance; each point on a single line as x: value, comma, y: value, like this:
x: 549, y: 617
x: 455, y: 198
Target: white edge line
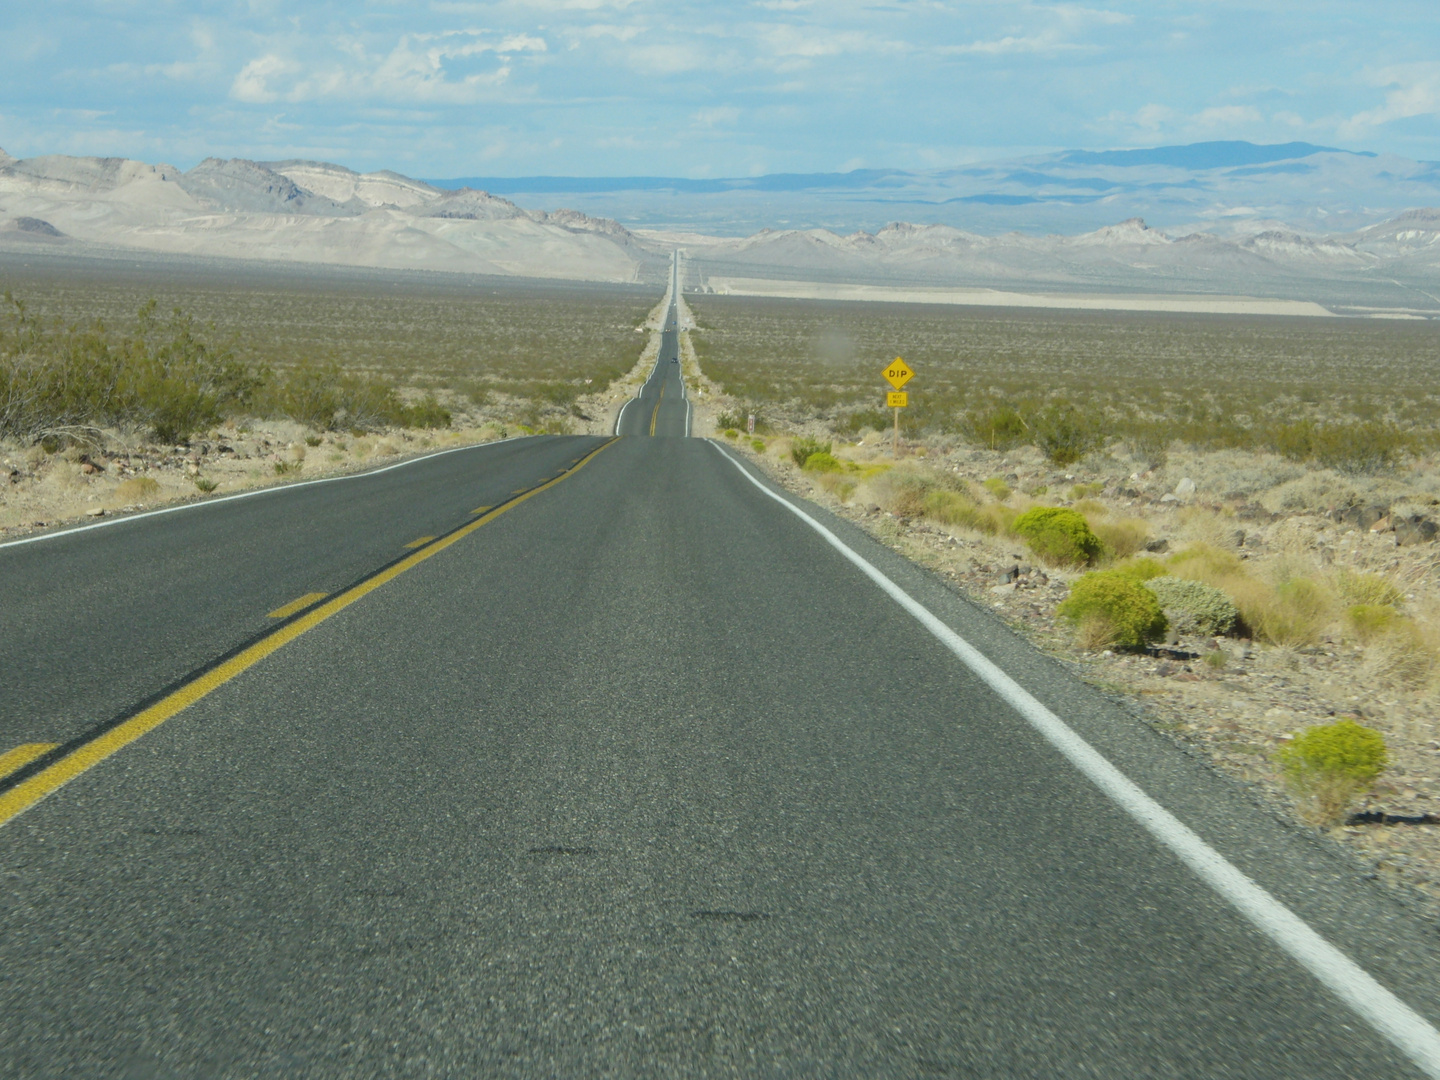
x: 1386, y: 1013
x: 273, y: 490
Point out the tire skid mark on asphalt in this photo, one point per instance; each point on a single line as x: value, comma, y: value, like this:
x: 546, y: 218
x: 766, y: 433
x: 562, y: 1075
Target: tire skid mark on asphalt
x: 30, y: 783
x: 1396, y: 1021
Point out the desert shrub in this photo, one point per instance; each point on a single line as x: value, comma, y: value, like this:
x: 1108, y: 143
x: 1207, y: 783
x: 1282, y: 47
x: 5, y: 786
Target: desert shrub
x: 997, y: 427
x: 1403, y: 655
x: 1085, y: 491
x: 1141, y: 569
x: 731, y: 433
x: 1113, y: 606
x: 1216, y: 660
x: 313, y: 440
x: 1193, y: 606
x: 902, y: 491
x: 137, y: 489
x: 1201, y: 562
x: 837, y: 484
x: 307, y: 394
x: 852, y: 423
x: 1367, y: 589
x: 1123, y: 537
x: 368, y: 403
x: 1058, y: 536
x: 1065, y: 435
x: 803, y: 447
x: 205, y: 485
x: 425, y: 413
x: 1091, y: 508
x: 758, y: 445
x: 1367, y: 622
x: 822, y: 461
x: 560, y: 394
x: 1328, y: 766
x: 953, y: 508
x: 1302, y: 608
x: 998, y: 488
x: 1352, y: 448
x: 729, y: 419
x: 168, y: 375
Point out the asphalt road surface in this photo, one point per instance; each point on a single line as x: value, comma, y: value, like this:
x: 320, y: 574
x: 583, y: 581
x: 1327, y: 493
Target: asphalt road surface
x: 662, y: 408
x: 632, y: 775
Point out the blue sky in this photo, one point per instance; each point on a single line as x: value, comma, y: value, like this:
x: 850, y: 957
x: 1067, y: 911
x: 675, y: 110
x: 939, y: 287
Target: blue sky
x: 625, y: 87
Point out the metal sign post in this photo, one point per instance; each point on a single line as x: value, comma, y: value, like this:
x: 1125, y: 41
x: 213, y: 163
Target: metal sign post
x: 897, y: 375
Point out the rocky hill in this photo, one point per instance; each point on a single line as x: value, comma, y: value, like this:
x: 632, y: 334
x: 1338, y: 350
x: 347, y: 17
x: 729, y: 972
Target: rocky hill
x: 314, y: 212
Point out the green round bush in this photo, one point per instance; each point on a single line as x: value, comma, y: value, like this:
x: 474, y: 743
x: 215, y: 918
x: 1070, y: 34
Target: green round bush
x: 1193, y: 606
x: 1059, y: 536
x: 1344, y: 748
x: 803, y: 448
x: 823, y: 462
x: 1327, y: 766
x: 1129, y: 611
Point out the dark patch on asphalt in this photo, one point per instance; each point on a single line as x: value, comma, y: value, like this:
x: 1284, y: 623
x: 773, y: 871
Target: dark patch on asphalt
x: 556, y: 849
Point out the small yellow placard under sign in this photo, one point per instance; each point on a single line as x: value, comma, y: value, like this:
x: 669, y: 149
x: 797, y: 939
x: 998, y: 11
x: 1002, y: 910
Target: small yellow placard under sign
x: 896, y: 399
x: 898, y: 373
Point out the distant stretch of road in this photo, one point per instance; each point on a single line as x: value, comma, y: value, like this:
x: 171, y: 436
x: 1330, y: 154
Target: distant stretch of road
x: 662, y: 407
x: 582, y: 756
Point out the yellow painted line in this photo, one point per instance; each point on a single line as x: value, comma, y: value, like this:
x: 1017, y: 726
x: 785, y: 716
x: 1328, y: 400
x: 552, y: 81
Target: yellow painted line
x: 419, y: 541
x: 656, y: 414
x: 296, y: 605
x: 481, y: 509
x: 26, y: 794
x: 23, y: 755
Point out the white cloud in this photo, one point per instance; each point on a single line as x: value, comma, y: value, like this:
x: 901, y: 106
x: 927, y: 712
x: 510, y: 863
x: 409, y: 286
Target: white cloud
x: 253, y: 83
x: 418, y: 70
x: 1226, y: 117
x: 1416, y: 93
x: 1041, y: 43
x: 720, y: 115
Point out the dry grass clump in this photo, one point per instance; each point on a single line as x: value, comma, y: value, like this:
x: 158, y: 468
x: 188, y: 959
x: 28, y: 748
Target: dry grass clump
x: 1122, y: 537
x: 1367, y: 589
x: 1295, y: 606
x: 135, y: 490
x: 1403, y: 655
x: 1291, y: 612
x: 911, y: 491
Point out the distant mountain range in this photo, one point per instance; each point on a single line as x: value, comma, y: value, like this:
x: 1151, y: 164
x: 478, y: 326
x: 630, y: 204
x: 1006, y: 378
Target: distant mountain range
x: 1212, y: 186
x: 1379, y: 253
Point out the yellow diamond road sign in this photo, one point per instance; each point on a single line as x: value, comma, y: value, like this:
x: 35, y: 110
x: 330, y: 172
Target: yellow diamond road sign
x: 898, y: 373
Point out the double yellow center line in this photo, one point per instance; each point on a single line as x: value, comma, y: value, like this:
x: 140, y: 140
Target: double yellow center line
x: 656, y: 414
x: 75, y: 758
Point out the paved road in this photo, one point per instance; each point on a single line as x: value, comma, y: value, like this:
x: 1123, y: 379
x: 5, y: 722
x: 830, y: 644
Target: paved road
x: 662, y: 408
x: 635, y: 778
